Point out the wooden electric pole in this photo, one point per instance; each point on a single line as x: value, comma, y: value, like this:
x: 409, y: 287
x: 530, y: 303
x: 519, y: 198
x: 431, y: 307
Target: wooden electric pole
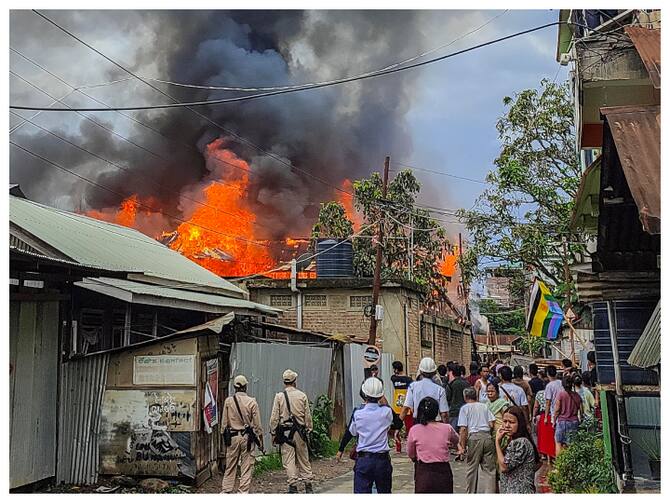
x: 377, y: 281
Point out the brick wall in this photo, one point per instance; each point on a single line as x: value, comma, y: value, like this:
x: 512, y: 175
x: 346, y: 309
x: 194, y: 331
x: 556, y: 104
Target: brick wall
x: 444, y: 340
x: 336, y: 318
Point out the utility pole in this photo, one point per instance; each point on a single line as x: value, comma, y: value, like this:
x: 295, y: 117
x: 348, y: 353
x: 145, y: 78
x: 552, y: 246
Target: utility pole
x: 466, y: 295
x: 377, y: 282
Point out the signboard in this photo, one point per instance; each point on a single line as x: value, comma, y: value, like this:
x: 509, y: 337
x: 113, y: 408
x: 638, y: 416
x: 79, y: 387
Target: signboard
x: 164, y: 369
x: 209, y: 405
x: 371, y: 356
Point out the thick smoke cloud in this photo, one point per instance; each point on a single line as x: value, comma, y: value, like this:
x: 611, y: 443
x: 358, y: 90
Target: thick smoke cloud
x: 333, y: 133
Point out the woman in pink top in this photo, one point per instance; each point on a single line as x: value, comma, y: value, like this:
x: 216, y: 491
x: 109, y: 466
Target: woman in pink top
x: 566, y: 413
x: 428, y: 445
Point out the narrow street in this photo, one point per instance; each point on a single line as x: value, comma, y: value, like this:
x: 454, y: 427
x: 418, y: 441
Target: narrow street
x: 403, y: 478
x: 334, y: 228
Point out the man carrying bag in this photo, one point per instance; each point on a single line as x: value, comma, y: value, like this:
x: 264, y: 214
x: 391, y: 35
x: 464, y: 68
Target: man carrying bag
x: 242, y: 433
x: 290, y: 425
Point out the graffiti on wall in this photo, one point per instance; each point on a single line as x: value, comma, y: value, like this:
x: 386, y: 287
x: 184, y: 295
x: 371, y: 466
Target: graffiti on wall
x: 147, y: 432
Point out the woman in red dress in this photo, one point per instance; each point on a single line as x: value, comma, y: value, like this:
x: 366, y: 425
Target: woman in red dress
x: 546, y: 445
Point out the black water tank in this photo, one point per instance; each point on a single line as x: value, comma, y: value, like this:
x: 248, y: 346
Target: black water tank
x: 631, y: 318
x: 334, y: 261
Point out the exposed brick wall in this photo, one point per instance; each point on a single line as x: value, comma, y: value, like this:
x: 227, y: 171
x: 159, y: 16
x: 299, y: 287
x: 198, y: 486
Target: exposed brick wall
x: 448, y: 341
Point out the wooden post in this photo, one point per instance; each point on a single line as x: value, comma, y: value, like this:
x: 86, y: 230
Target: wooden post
x: 377, y: 282
x: 568, y: 307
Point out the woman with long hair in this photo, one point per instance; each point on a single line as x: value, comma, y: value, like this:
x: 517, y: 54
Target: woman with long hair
x: 567, y: 412
x: 516, y: 453
x: 428, y: 446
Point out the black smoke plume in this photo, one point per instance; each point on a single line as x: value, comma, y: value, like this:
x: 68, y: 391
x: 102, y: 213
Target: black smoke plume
x: 333, y: 133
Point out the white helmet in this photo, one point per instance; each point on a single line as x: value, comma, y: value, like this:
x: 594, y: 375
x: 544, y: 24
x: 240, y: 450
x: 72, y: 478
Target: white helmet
x: 427, y: 365
x: 373, y: 387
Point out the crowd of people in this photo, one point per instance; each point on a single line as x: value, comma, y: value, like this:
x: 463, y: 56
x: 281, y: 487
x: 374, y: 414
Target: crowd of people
x: 503, y: 422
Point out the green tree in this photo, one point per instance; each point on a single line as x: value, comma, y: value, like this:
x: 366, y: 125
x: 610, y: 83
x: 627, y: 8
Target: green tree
x: 531, y: 345
x: 401, y: 221
x: 582, y: 467
x: 524, y: 215
x: 332, y: 222
x: 503, y: 320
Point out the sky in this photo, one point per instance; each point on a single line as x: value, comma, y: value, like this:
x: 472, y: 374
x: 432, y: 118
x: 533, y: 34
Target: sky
x: 439, y: 117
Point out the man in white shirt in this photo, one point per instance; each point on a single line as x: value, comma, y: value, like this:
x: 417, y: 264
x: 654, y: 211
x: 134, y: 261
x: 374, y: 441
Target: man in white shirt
x: 419, y: 390
x: 514, y: 394
x: 476, y: 422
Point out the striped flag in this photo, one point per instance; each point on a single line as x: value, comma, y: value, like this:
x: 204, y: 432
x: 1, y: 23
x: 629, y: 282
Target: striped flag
x: 545, y: 315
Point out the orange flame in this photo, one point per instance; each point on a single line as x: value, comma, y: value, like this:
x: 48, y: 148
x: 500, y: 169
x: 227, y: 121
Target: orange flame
x: 124, y: 215
x: 347, y: 201
x: 450, y: 262
x: 220, y: 234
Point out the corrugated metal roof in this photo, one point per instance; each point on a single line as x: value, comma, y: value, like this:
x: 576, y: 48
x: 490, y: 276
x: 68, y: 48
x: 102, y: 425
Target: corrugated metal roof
x: 637, y: 134
x: 114, y: 247
x: 156, y: 295
x: 647, y: 351
x: 29, y: 253
x: 648, y: 45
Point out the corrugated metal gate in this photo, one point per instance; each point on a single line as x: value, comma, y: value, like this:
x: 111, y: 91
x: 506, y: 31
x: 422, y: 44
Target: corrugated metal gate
x: 82, y: 388
x: 33, y: 391
x: 263, y: 365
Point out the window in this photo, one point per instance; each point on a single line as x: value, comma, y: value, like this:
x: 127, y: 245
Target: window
x: 315, y: 301
x: 281, y: 300
x: 360, y: 301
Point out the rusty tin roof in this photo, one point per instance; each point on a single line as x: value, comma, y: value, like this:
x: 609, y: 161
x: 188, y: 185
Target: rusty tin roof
x: 637, y: 134
x: 648, y: 45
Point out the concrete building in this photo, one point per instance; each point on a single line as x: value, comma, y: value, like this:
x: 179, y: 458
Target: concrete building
x: 341, y: 306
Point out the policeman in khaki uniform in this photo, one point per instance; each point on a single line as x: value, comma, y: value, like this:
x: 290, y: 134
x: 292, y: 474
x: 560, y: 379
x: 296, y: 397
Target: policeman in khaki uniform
x: 242, y: 445
x: 292, y: 437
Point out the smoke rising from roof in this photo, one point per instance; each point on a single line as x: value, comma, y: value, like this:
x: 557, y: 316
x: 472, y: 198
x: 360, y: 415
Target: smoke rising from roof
x: 334, y: 133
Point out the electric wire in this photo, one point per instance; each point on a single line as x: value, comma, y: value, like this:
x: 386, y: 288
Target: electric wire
x: 140, y: 204
x: 151, y: 128
x: 439, y: 173
x: 34, y: 116
x: 270, y: 93
x: 188, y: 107
x: 310, y: 257
x: 308, y: 84
x: 88, y: 118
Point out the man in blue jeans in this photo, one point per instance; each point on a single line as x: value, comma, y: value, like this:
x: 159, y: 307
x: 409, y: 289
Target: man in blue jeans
x: 371, y: 424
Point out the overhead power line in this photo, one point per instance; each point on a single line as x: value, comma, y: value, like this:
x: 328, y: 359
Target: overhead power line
x: 238, y: 137
x: 306, y: 84
x: 140, y: 204
x: 185, y: 145
x: 440, y: 173
x: 310, y: 257
x: 272, y: 93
